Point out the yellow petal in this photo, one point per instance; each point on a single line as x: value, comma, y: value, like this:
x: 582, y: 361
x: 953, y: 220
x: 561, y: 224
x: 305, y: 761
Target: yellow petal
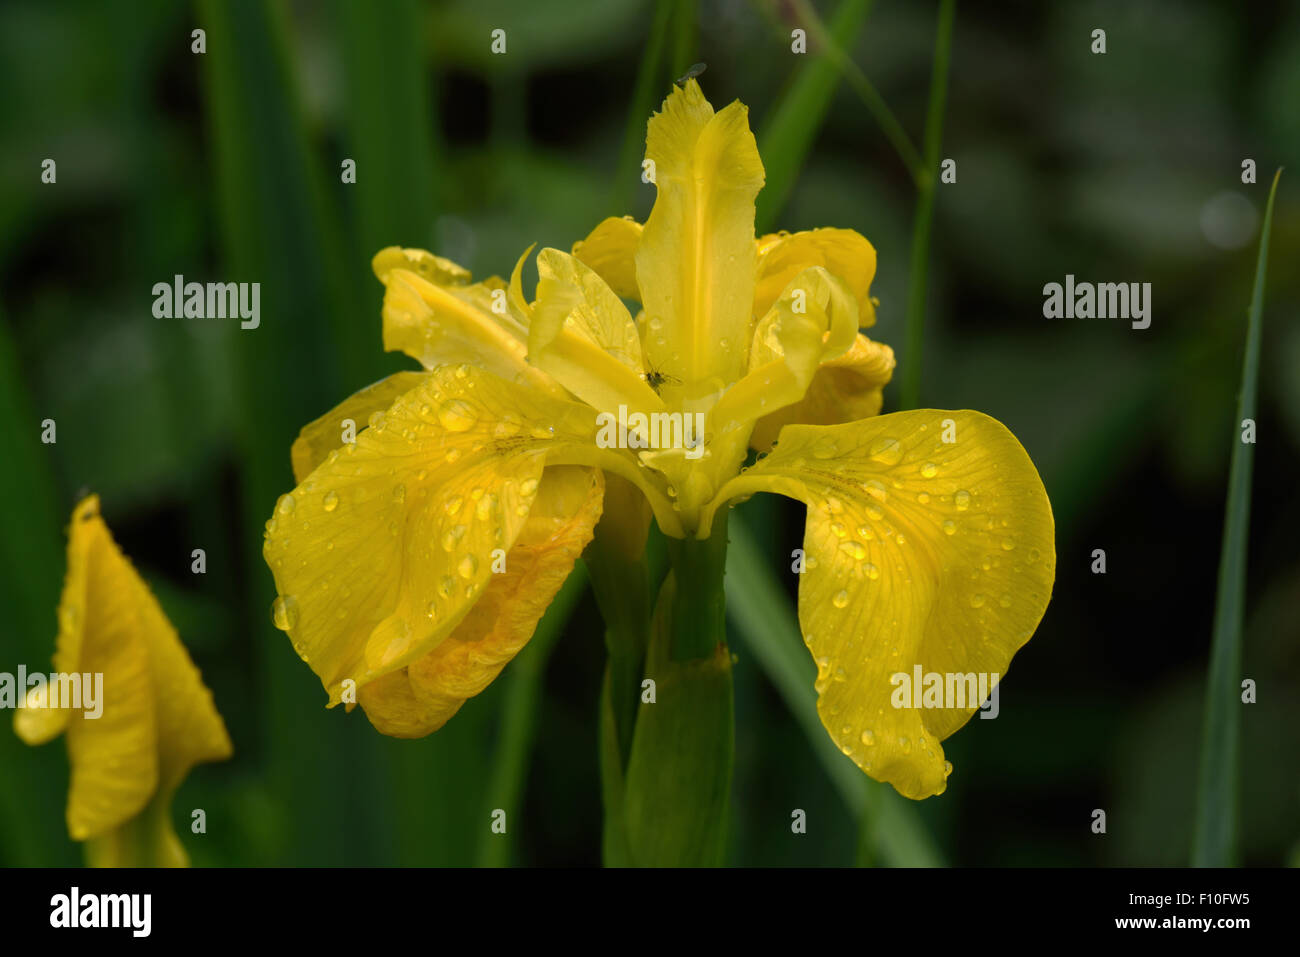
x: 845, y: 253
x: 610, y: 250
x: 453, y: 322
x: 157, y: 718
x: 814, y: 320
x: 382, y: 550
x: 423, y: 696
x: 321, y: 437
x: 844, y: 389
x: 919, y: 552
x: 582, y: 335
x: 584, y: 306
x: 695, y: 261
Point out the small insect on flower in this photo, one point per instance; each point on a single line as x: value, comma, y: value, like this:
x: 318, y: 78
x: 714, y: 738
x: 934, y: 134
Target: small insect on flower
x: 695, y: 70
x: 657, y: 379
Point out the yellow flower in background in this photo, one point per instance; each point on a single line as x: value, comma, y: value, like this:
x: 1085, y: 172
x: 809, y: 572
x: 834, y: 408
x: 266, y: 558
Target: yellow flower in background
x: 415, y: 561
x: 156, y: 720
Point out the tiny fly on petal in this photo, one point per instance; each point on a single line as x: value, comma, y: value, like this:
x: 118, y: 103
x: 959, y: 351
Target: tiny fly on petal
x: 695, y: 70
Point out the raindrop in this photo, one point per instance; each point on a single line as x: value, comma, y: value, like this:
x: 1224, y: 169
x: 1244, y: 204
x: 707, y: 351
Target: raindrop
x: 886, y: 451
x: 468, y: 566
x: 284, y: 612
x: 457, y: 415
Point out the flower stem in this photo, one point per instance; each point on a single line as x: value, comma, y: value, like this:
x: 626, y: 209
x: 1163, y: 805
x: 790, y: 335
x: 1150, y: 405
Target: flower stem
x: 699, y: 608
x: 911, y: 380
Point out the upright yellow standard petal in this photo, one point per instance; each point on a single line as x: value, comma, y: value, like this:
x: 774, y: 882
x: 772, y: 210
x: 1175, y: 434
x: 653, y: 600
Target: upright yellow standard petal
x: 423, y: 696
x: 695, y: 260
x: 156, y: 719
x: 920, y: 552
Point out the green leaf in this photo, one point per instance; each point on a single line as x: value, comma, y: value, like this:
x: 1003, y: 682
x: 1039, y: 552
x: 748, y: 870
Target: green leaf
x: 787, y: 136
x: 770, y: 629
x: 1214, y: 841
x: 910, y: 392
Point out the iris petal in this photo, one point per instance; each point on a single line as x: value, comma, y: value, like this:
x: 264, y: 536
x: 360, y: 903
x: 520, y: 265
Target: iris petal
x: 695, y: 260
x: 919, y: 552
x: 423, y: 696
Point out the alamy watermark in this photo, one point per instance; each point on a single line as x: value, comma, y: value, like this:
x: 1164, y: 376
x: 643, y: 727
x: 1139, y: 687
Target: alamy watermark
x: 654, y: 430
x: 214, y: 300
x: 75, y: 691
x: 933, y: 689
x: 1103, y: 300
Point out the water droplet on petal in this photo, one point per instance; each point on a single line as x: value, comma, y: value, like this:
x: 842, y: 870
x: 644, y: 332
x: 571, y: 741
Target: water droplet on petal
x: 868, y: 738
x: 949, y: 527
x: 841, y: 599
x: 284, y: 612
x: 330, y: 501
x: 977, y: 601
x: 287, y: 504
x: 961, y: 500
x: 457, y: 415
x: 929, y: 470
x: 468, y: 566
x: 886, y: 451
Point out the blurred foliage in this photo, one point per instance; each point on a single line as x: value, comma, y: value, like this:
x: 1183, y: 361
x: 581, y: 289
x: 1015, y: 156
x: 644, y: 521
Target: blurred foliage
x: 225, y: 166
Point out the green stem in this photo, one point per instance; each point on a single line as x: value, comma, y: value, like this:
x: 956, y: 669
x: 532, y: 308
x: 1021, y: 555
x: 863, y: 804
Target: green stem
x: 864, y: 88
x: 916, y: 286
x: 622, y: 589
x: 699, y: 609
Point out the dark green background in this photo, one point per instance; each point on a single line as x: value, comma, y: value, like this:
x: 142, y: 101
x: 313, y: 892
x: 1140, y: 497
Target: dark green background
x: 225, y: 167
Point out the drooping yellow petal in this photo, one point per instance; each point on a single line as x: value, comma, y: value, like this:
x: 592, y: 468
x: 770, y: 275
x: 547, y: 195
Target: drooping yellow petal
x: 422, y: 697
x: 844, y: 389
x: 384, y: 548
x: 845, y: 253
x: 451, y: 322
x: 919, y: 551
x: 156, y: 719
x: 610, y: 250
x: 321, y: 437
x: 695, y: 260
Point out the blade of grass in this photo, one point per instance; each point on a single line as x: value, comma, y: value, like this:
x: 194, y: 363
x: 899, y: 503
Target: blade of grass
x: 685, y: 36
x: 863, y: 87
x: 790, y: 128
x: 647, y: 77
x: 1214, y: 841
x: 32, y: 832
x: 769, y: 628
x: 916, y: 283
x: 519, y: 719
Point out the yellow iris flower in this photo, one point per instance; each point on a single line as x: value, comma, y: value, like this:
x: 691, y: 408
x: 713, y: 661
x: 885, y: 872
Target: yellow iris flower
x: 156, y: 720
x: 415, y: 561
